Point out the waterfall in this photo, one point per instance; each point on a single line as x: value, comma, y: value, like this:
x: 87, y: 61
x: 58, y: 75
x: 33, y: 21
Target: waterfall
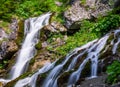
x: 27, y: 51
x: 31, y: 81
x: 32, y: 27
x: 89, y: 52
x: 93, y: 53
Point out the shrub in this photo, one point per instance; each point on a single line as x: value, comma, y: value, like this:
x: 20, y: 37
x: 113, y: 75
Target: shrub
x: 105, y: 24
x: 113, y: 72
x: 7, y: 8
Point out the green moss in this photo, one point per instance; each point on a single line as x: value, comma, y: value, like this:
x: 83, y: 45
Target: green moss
x: 113, y: 72
x: 20, y: 32
x: 83, y: 2
x: 32, y: 61
x: 38, y: 46
x: 5, y: 26
x: 59, y: 61
x: 63, y: 78
x: 13, y: 82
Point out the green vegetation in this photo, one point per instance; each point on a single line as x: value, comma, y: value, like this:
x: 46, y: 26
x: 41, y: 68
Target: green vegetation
x: 3, y: 64
x: 5, y: 26
x: 28, y: 8
x: 89, y: 30
x: 83, y: 2
x: 81, y: 37
x: 13, y: 82
x: 113, y: 72
x: 105, y: 24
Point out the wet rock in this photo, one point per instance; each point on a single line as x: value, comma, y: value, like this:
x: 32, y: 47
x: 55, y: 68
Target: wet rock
x: 117, y: 3
x: 89, y: 9
x: 55, y: 27
x: 58, y: 3
x: 40, y: 59
x: 1, y: 84
x: 14, y: 27
x: 94, y: 82
x: 8, y: 48
x: 116, y: 85
x: 39, y: 64
x: 3, y: 35
x: 44, y: 44
x: 2, y: 73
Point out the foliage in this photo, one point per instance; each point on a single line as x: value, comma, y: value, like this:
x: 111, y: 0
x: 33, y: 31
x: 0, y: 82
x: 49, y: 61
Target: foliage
x: 28, y: 8
x: 53, y: 36
x: 89, y: 30
x: 105, y: 24
x: 81, y: 37
x: 113, y: 72
x: 83, y: 2
x: 5, y: 25
x: 3, y: 64
x: 7, y: 8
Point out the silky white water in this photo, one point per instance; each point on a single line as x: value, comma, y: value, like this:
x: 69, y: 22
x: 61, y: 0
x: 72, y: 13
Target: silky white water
x: 90, y: 52
x: 28, y: 47
x: 32, y: 29
x: 31, y: 81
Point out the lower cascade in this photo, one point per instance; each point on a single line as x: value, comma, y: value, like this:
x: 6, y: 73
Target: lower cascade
x: 71, y: 68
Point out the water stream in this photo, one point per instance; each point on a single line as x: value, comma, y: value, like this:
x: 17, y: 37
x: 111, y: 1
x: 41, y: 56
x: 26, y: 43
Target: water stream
x: 92, y: 50
x: 32, y: 27
x: 27, y: 52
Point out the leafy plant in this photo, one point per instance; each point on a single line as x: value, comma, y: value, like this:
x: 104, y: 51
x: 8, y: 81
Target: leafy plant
x: 81, y: 37
x: 113, y: 72
x: 29, y: 8
x: 105, y: 24
x: 7, y: 8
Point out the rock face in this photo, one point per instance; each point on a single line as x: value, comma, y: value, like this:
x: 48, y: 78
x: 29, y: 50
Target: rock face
x: 7, y: 49
x: 88, y: 9
x: 55, y: 27
x: 14, y: 27
x: 3, y: 35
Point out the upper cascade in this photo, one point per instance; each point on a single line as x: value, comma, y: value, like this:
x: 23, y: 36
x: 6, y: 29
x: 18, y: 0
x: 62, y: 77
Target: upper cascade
x: 32, y: 29
x: 68, y: 72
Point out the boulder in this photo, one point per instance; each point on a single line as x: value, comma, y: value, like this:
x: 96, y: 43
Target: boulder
x: 14, y: 28
x: 88, y: 9
x: 3, y: 35
x: 7, y: 49
x: 55, y: 27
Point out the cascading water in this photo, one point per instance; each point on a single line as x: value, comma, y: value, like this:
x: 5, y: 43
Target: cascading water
x: 32, y: 28
x: 89, y: 52
x: 93, y: 53
x: 31, y: 81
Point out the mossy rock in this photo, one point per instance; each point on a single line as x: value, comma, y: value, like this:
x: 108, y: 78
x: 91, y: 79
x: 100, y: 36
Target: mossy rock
x: 63, y: 78
x: 20, y: 32
x: 41, y: 79
x: 13, y: 82
x: 38, y: 46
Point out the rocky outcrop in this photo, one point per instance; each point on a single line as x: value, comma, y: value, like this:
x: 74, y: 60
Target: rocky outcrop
x: 14, y: 28
x: 8, y: 46
x: 7, y: 49
x: 3, y: 35
x: 87, y: 9
x: 55, y: 27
